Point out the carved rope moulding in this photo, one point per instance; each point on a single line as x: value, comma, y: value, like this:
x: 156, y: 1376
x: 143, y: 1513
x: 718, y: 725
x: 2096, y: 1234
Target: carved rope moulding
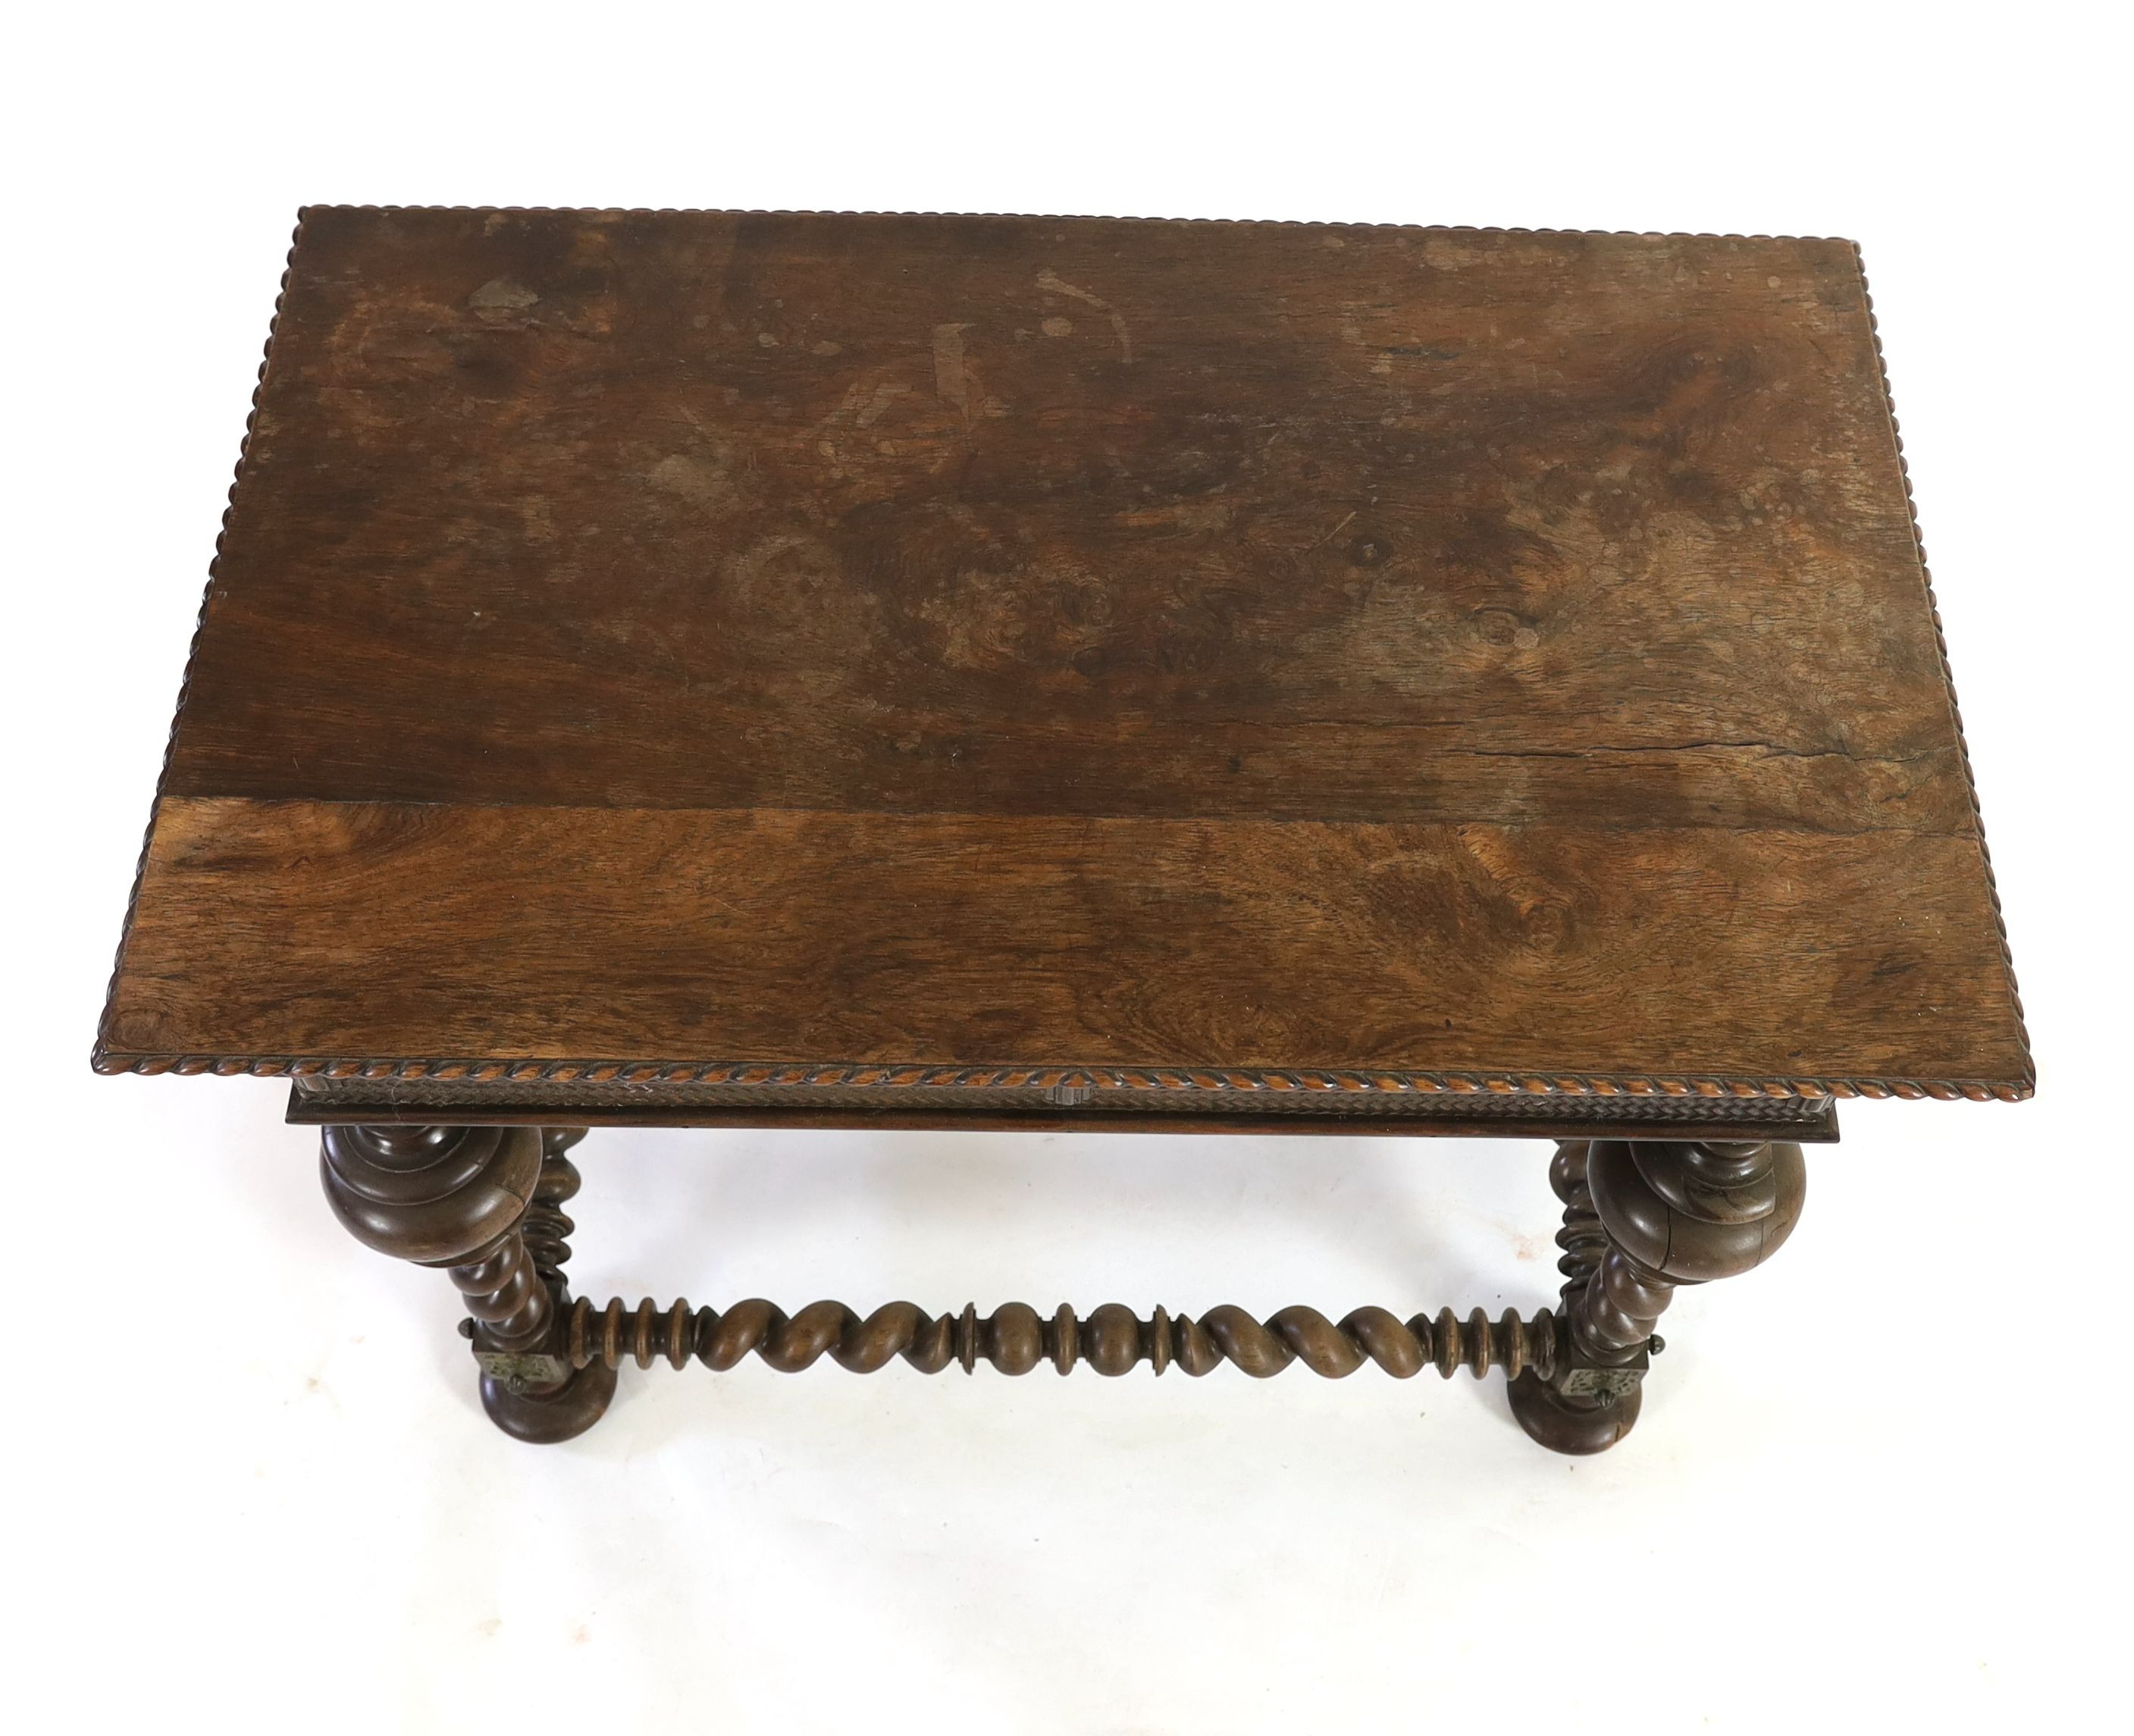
x: 773, y: 1075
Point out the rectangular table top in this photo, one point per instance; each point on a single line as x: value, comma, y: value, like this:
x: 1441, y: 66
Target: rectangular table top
x: 943, y: 651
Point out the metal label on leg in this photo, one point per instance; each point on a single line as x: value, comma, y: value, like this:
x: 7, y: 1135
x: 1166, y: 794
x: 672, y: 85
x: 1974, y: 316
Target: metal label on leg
x: 524, y: 1371
x: 1601, y: 1383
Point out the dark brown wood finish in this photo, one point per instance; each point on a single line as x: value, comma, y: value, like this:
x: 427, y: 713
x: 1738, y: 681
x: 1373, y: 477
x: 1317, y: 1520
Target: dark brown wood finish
x: 1454, y: 657
x: 1015, y: 1339
x: 1253, y: 944
x: 786, y: 670
x: 1513, y: 1116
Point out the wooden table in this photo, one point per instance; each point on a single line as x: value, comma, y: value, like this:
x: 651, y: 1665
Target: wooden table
x: 695, y: 668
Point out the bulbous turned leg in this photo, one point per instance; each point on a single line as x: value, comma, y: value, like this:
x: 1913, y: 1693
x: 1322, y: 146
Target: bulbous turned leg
x: 1641, y: 1219
x: 485, y: 1204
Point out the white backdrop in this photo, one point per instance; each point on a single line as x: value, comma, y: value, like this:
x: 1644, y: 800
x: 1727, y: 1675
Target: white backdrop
x: 1880, y: 1480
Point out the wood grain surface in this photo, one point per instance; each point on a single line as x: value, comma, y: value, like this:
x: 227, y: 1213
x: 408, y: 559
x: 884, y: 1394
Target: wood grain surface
x: 693, y: 637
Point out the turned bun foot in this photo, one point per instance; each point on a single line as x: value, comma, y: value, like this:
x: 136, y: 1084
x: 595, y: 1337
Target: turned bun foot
x: 560, y: 1414
x: 1566, y: 1424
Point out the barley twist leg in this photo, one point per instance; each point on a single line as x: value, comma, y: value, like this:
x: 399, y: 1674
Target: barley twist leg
x: 472, y: 1200
x: 1641, y: 1219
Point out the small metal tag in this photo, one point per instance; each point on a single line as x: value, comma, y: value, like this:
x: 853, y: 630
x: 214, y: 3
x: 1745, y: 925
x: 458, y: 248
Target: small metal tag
x: 524, y: 1370
x: 1600, y: 1382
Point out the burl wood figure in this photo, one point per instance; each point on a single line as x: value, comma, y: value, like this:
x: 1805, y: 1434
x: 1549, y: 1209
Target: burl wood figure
x: 706, y: 669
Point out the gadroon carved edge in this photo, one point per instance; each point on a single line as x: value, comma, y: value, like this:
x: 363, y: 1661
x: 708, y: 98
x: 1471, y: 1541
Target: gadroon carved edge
x: 1022, y: 1077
